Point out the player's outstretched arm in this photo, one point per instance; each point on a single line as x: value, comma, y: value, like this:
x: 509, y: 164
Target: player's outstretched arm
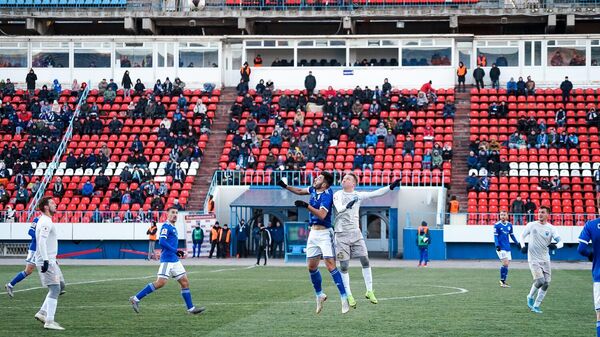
x: 295, y: 190
x: 339, y: 204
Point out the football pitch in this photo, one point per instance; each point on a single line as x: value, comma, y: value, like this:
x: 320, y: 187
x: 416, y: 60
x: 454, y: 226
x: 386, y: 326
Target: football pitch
x: 279, y: 301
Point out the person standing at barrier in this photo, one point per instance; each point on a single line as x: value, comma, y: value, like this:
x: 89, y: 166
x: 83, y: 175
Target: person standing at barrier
x: 461, y: 73
x: 478, y: 75
x: 151, y: 232
x: 197, y: 239
x: 214, y: 239
x: 242, y: 239
x: 224, y: 240
x: 423, y: 242
x: 264, y: 242
x: 278, y: 240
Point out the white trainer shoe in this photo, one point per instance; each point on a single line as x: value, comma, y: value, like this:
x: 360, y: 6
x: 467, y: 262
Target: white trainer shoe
x: 9, y: 290
x: 53, y: 326
x: 320, y: 300
x: 345, y: 305
x: 40, y: 316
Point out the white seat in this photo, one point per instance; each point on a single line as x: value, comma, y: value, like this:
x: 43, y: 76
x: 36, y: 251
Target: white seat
x: 513, y: 166
x: 586, y: 173
x: 523, y: 166
x: 111, y: 165
x: 192, y: 172
x: 160, y: 172
x: 483, y: 172
x: 59, y: 172
x: 533, y: 166
x: 563, y: 166
x: 162, y: 165
x: 554, y: 173
x: 184, y: 165
x: 586, y: 166
x: 38, y: 172
x: 543, y: 166
x: 523, y: 173
x: 195, y: 165
x: 553, y: 166
x: 153, y: 165
x: 534, y: 173
x: 596, y: 166
x: 471, y: 171
x: 565, y: 173
x: 10, y: 171
x: 574, y: 166
x: 122, y: 165
x: 544, y: 173
x: 34, y: 165
x: 97, y: 171
x: 575, y: 173
x: 62, y: 165
x: 108, y: 172
x: 88, y: 172
x: 43, y: 165
x: 118, y: 172
x: 152, y: 171
x: 69, y: 172
x: 513, y: 173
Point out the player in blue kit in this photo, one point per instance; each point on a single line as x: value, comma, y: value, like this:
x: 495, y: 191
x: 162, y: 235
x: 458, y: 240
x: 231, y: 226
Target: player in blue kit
x: 591, y: 232
x: 170, y: 266
x: 320, y: 239
x: 30, y: 262
x: 503, y: 232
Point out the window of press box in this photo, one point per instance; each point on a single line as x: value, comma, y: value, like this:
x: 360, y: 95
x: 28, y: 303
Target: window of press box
x: 422, y: 57
x: 198, y: 58
x: 595, y: 56
x: 13, y: 58
x: 271, y: 57
x: 134, y: 57
x: 321, y: 57
x: 502, y: 57
x: 566, y: 56
x: 87, y: 58
x: 374, y: 57
x: 49, y: 59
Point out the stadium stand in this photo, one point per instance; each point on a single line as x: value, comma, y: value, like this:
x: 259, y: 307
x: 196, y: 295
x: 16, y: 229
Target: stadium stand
x: 63, y: 3
x: 556, y: 173
x: 134, y: 142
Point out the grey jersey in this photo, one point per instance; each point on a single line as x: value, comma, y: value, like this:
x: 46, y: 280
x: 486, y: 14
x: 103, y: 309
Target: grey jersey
x: 348, y: 219
x: 540, y: 236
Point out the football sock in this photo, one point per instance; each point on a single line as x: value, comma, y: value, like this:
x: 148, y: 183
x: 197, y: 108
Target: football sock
x: 44, y: 307
x: 532, y: 291
x: 503, y: 273
x: 368, y: 278
x: 315, y: 278
x: 51, y: 310
x: 540, y: 297
x: 337, y: 279
x: 18, y: 278
x: 346, y: 280
x: 149, y: 288
x: 187, y: 297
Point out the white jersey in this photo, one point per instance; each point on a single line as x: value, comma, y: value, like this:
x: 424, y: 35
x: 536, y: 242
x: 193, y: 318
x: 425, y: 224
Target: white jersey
x: 47, y: 241
x: 348, y: 219
x: 540, y: 237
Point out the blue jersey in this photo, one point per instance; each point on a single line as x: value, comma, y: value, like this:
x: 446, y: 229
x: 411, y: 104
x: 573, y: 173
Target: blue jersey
x: 168, y: 240
x: 591, y: 232
x: 502, y: 232
x: 31, y: 232
x: 318, y: 201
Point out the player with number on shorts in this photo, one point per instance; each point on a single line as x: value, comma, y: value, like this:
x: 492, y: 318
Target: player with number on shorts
x: 503, y: 232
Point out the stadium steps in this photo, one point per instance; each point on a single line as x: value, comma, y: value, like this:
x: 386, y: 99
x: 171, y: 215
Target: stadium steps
x: 460, y: 147
x: 214, y: 147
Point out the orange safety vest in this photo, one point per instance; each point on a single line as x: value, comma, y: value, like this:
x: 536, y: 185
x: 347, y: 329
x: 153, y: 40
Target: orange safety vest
x: 461, y: 71
x: 211, y: 206
x: 214, y: 233
x: 454, y: 204
x: 227, y: 238
x: 247, y: 71
x: 422, y: 230
x: 152, y: 237
x: 482, y: 60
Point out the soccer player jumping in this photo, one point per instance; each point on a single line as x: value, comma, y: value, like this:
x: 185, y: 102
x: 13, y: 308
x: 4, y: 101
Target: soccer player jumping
x: 591, y: 232
x: 503, y: 232
x: 170, y: 266
x: 349, y: 241
x: 30, y: 262
x: 538, y: 256
x: 320, y: 238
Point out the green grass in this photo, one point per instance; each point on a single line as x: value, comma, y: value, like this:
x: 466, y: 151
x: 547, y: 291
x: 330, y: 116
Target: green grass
x: 272, y: 301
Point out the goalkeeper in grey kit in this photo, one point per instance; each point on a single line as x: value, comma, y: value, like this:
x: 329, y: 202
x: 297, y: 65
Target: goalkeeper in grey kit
x: 349, y: 241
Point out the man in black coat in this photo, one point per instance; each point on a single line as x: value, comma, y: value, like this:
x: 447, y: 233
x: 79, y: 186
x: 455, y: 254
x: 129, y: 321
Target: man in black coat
x: 495, y: 76
x: 310, y: 83
x: 478, y: 75
x: 566, y: 86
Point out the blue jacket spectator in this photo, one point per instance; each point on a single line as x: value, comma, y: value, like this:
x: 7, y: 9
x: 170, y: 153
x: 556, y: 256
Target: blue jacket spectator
x: 368, y: 162
x: 371, y: 139
x: 511, y: 87
x: 275, y: 140
x: 88, y: 189
x: 472, y: 182
x: 56, y: 87
x: 359, y: 160
x: 472, y: 161
x: 182, y: 102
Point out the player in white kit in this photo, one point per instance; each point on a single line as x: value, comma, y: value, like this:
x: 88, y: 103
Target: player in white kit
x: 541, y: 234
x: 349, y: 241
x: 45, y: 259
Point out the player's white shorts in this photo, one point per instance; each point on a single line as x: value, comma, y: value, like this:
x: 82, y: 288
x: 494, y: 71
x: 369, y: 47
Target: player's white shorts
x: 350, y: 244
x: 597, y: 296
x: 171, y: 269
x: 541, y: 270
x: 52, y: 276
x: 320, y: 243
x: 30, y: 257
x: 504, y: 254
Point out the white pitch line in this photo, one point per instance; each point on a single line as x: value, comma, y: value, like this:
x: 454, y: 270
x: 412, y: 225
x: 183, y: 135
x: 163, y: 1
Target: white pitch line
x: 126, y: 279
x: 456, y: 291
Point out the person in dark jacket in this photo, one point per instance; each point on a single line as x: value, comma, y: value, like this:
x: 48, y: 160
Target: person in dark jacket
x: 30, y: 79
x: 518, y: 208
x: 126, y: 83
x: 224, y: 240
x: 101, y: 182
x: 278, y: 237
x: 478, y: 75
x: 264, y: 241
x: 242, y: 239
x: 215, y: 232
x: 566, y: 86
x: 495, y: 76
x: 245, y: 72
x: 530, y: 208
x: 310, y: 83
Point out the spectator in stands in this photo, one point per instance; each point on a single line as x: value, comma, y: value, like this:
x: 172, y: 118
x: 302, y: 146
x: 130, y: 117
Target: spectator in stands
x: 409, y: 147
x: 22, y: 196
x: 493, y: 109
x: 565, y: 87
x: 461, y: 73
x: 260, y: 87
x: 359, y: 160
x: 58, y: 190
x: 532, y: 140
x: 182, y: 103
x: 386, y: 87
x: 530, y: 208
x: 597, y: 180
x: 179, y: 175
x: 573, y: 141
x: 511, y: 87
x: 275, y: 141
x: 514, y: 140
x: 555, y: 184
x: 101, y: 182
x: 422, y: 101
x: 381, y: 132
x: 30, y: 80
x: 563, y: 140
x: 110, y: 95
x: 167, y: 87
x: 88, y: 189
x: 115, y: 196
x: 139, y: 87
x: 178, y: 86
x: 368, y: 161
x: 592, y: 118
x: 449, y: 109
x: 429, y: 91
x: 158, y: 89
x: 374, y: 109
x: 157, y: 203
x: 427, y: 160
x: 4, y: 196
x: 102, y: 86
x: 530, y: 86
x: 126, y: 83
x: 245, y: 72
x: 177, y: 205
x: 436, y: 158
x: 126, y: 197
x: 137, y: 146
x: 518, y: 209
x: 483, y: 185
x: 371, y: 139
x: 428, y: 134
x: 310, y: 83
x: 115, y: 126
x: 561, y: 117
x: 390, y: 140
x: 126, y: 175
x: 521, y: 87
x: 495, y: 76
x: 478, y: 75
x: 542, y: 140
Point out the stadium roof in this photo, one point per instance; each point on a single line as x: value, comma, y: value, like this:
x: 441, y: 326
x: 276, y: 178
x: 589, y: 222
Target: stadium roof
x: 265, y: 198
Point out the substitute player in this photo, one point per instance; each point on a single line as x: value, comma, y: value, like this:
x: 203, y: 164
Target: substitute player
x: 591, y: 232
x: 170, y: 266
x: 29, y: 262
x: 45, y: 260
x: 349, y: 241
x: 538, y: 256
x: 320, y: 238
x: 503, y: 232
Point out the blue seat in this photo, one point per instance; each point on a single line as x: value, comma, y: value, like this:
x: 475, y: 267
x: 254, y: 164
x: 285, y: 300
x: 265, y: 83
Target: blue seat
x: 11, y: 2
x: 3, y: 3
